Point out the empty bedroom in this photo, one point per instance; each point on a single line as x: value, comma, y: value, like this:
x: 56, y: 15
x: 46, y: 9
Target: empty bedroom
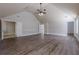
x: 39, y: 28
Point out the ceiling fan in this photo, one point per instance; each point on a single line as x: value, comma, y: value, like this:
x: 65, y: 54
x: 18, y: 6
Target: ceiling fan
x: 41, y: 11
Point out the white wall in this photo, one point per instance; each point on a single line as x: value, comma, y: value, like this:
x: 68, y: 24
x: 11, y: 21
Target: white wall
x: 55, y: 21
x: 29, y: 22
x: 76, y: 28
x: 76, y: 25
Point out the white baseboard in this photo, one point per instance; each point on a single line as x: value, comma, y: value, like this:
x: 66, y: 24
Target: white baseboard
x: 45, y: 33
x: 57, y: 34
x: 28, y: 34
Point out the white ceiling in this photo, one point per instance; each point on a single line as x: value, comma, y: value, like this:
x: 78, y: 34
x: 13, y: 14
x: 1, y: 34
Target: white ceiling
x: 68, y: 7
x: 8, y: 9
x: 12, y: 8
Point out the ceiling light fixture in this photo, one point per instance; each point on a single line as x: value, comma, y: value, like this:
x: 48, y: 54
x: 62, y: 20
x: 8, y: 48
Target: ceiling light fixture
x: 41, y: 11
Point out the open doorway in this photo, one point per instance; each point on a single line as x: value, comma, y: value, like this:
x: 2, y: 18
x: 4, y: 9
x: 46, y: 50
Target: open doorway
x: 71, y: 28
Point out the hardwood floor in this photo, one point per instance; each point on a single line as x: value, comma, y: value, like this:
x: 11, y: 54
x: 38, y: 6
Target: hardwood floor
x: 35, y: 45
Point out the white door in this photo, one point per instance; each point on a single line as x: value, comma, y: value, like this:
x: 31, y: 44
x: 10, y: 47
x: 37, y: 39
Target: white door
x: 18, y: 29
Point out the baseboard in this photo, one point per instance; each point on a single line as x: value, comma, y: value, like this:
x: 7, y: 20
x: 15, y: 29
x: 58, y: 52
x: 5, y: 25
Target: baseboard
x: 57, y: 34
x: 28, y: 34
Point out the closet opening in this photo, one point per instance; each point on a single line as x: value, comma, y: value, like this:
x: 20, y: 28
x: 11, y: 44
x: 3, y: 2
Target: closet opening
x: 9, y: 29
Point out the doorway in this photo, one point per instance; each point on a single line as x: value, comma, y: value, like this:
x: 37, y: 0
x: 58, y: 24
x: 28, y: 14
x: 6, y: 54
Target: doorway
x: 9, y: 29
x: 71, y: 28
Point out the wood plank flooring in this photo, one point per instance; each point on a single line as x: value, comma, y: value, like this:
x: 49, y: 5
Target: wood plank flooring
x: 37, y: 45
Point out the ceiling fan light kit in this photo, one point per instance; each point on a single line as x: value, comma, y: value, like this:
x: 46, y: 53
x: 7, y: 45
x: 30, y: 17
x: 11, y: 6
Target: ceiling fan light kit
x: 41, y: 11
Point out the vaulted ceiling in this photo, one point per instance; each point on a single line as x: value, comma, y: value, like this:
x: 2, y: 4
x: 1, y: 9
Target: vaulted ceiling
x: 12, y: 8
x: 7, y: 9
x: 68, y: 7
